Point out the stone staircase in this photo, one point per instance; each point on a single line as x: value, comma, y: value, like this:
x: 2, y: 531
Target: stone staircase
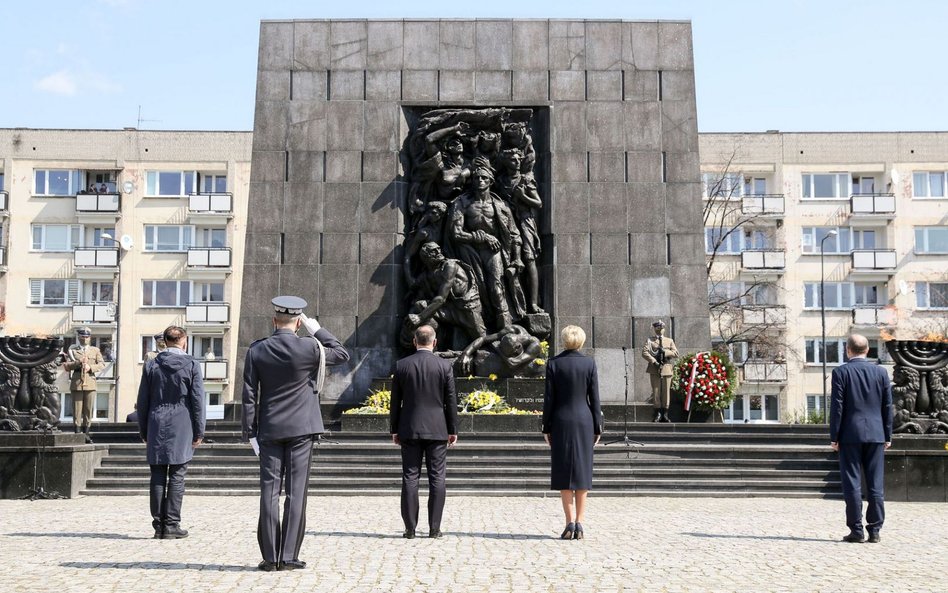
x: 673, y: 460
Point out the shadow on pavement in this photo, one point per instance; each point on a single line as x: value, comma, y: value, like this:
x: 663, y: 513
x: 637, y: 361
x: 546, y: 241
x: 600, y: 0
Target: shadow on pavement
x: 160, y: 566
x: 423, y: 535
x: 773, y: 537
x: 87, y: 535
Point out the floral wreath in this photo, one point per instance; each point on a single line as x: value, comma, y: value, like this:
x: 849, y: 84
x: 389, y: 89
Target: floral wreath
x: 707, y: 379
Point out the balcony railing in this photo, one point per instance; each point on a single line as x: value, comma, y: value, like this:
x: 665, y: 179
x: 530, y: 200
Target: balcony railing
x: 98, y: 202
x: 874, y: 259
x: 206, y: 312
x: 108, y: 372
x: 96, y: 257
x: 3, y: 255
x: 98, y: 312
x: 768, y: 204
x: 873, y: 315
x: 214, y: 370
x: 209, y: 257
x: 764, y: 315
x: 211, y: 203
x: 764, y: 259
x: 4, y: 201
x: 872, y: 204
x: 765, y: 372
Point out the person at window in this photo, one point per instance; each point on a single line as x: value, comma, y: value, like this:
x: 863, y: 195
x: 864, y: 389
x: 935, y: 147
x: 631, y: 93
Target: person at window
x: 103, y: 188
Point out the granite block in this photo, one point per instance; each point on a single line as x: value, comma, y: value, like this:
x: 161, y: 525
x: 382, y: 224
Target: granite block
x: 276, y: 46
x: 379, y: 248
x: 531, y: 85
x: 689, y: 285
x: 605, y: 125
x: 567, y: 45
x: 377, y: 290
x: 646, y: 207
x: 641, y: 85
x: 338, y: 289
x: 344, y: 130
x: 610, y: 362
x: 384, y: 50
x: 530, y: 42
x: 378, y: 210
x: 561, y: 321
x: 609, y: 285
x: 422, y: 41
x: 344, y: 328
x: 651, y: 292
x: 343, y: 166
x: 493, y: 43
x: 678, y: 85
x: 273, y: 85
x: 347, y: 85
x: 341, y: 207
x: 645, y: 166
x: 609, y: 248
x: 254, y: 327
x: 301, y: 249
x: 573, y: 290
x: 340, y: 248
x: 377, y: 331
x: 311, y: 50
x: 457, y: 45
x: 379, y: 166
x: 303, y: 207
x: 307, y: 165
x: 568, y: 85
x: 608, y: 208
x: 894, y: 476
x: 687, y: 249
x: 640, y: 45
x: 570, y: 166
x: 268, y: 165
x: 259, y: 286
x: 612, y: 332
x: 643, y: 125
x: 693, y: 332
x: 301, y: 281
x: 572, y: 248
x: 569, y: 126
x: 492, y: 86
x: 269, y: 125
x: 348, y: 45
x: 679, y: 126
x: 604, y: 86
x: 456, y: 85
x: 420, y: 85
x: 383, y: 85
x: 683, y: 207
x: 308, y: 125
x: 381, y: 125
x: 309, y: 85
x: 262, y: 248
x: 607, y: 166
x: 674, y: 46
x: 570, y: 207
x: 603, y: 45
x: 649, y: 249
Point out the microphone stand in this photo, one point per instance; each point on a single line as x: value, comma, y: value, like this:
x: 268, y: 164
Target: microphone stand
x: 625, y: 440
x: 38, y: 491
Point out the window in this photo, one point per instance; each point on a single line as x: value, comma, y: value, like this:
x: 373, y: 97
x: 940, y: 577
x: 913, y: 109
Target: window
x: 764, y: 293
x: 826, y: 185
x: 101, y: 406
x: 56, y: 237
x: 98, y: 292
x: 165, y: 293
x: 864, y: 239
x: 864, y: 185
x: 56, y: 182
x: 814, y: 403
x: 212, y: 292
x: 755, y: 186
x: 213, y: 184
x: 839, y: 295
x: 149, y: 344
x: 53, y: 292
x: 931, y: 239
x: 201, y: 345
x: 928, y: 184
x: 169, y: 183
x: 104, y: 344
x: 725, y: 293
x: 96, y: 239
x: 835, y: 351
x: 211, y: 238
x: 813, y: 238
x: 168, y: 237
x: 733, y: 241
x: 931, y: 295
x: 726, y: 186
x: 868, y: 294
x: 736, y: 351
x: 1, y: 181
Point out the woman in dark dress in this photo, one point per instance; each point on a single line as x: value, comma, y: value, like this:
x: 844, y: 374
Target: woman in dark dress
x: 572, y: 425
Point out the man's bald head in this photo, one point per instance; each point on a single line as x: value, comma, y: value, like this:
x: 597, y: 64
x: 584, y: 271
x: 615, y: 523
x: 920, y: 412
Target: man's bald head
x: 857, y: 345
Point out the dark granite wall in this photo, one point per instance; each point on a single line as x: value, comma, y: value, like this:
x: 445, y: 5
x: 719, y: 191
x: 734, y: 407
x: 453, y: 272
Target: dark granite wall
x: 327, y: 192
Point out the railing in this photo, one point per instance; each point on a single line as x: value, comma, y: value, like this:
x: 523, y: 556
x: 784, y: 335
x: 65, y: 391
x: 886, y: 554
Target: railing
x: 873, y: 315
x: 764, y: 259
x: 872, y: 203
x: 98, y: 202
x: 3, y: 256
x: 763, y: 204
x: 207, y: 312
x: 98, y: 312
x: 97, y: 257
x: 874, y: 259
x: 765, y: 372
x: 4, y: 201
x: 214, y: 370
x: 209, y: 257
x: 211, y: 203
x: 107, y: 372
x: 764, y: 314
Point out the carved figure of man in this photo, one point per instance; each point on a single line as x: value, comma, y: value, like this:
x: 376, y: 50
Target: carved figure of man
x: 520, y: 190
x: 83, y: 362
x: 514, y: 345
x: 455, y: 300
x: 429, y: 229
x: 659, y: 352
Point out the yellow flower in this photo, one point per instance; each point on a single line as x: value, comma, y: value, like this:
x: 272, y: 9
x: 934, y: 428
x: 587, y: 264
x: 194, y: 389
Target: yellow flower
x: 470, y: 376
x: 492, y: 377
x: 540, y: 361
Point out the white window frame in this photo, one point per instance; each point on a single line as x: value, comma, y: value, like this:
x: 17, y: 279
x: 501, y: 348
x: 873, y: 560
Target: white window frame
x: 923, y: 298
x: 927, y: 194
x: 844, y: 292
x: 72, y: 289
x: 152, y: 286
x: 922, y: 233
x: 204, y: 237
x: 153, y: 183
x: 818, y: 352
x: 185, y: 238
x: 810, y: 246
x: 817, y: 399
x: 212, y: 178
x: 192, y: 348
x: 200, y: 292
x: 73, y: 184
x: 731, y: 185
x: 74, y: 234
x: 860, y: 292
x: 842, y: 185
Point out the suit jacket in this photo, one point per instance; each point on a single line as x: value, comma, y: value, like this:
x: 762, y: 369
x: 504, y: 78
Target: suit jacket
x: 652, y: 344
x: 424, y: 403
x: 861, y: 407
x: 79, y: 381
x: 171, y: 411
x: 279, y: 398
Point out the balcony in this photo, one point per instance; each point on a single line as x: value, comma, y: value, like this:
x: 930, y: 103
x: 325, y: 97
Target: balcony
x: 98, y: 208
x: 214, y: 370
x: 93, y: 313
x: 108, y: 372
x: 873, y: 315
x: 764, y: 261
x: 209, y: 263
x: 3, y: 259
x: 764, y: 315
x: 767, y: 205
x: 207, y: 313
x: 96, y: 263
x: 4, y: 203
x: 874, y: 262
x: 765, y: 372
x: 210, y: 209
x: 871, y: 209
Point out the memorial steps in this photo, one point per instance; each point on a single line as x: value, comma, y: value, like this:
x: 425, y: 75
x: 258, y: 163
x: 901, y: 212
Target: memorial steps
x: 676, y: 460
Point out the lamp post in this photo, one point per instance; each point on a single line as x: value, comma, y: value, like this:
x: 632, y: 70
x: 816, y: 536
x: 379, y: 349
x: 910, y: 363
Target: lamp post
x: 124, y: 245
x: 831, y: 233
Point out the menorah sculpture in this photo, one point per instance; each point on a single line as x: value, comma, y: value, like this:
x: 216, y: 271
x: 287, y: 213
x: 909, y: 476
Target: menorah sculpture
x: 920, y: 386
x: 29, y: 398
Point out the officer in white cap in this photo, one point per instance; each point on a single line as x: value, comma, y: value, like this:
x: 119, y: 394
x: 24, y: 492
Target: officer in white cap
x: 659, y: 351
x: 83, y: 361
x: 282, y: 376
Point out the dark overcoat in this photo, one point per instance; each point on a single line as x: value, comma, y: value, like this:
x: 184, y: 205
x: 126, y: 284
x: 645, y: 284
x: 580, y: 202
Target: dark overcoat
x: 171, y: 412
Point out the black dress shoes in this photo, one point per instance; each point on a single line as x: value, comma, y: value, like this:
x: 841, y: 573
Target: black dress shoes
x: 854, y: 537
x: 436, y: 534
x: 292, y: 565
x: 159, y: 534
x: 409, y: 534
x: 267, y: 566
x: 874, y: 537
x: 174, y: 532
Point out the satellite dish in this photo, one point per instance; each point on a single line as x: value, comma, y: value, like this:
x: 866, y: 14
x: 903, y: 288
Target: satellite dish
x: 903, y: 287
x: 895, y: 177
x: 126, y: 242
x: 128, y: 187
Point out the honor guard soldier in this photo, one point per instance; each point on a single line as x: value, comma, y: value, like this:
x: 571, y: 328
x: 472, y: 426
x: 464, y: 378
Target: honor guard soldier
x: 83, y: 361
x: 659, y: 352
x: 282, y: 378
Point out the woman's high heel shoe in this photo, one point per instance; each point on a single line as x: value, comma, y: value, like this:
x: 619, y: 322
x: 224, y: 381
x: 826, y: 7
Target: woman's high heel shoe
x: 568, y: 533
x: 578, y: 531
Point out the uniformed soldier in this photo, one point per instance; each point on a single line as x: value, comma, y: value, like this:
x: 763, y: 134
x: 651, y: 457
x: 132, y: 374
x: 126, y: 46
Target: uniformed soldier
x: 83, y: 361
x: 160, y: 347
x: 659, y: 352
x: 282, y: 376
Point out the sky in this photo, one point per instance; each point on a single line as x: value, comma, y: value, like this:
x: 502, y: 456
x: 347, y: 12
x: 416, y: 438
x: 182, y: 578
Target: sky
x: 830, y: 65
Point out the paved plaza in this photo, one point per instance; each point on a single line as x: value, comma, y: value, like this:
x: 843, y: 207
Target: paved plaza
x: 491, y: 544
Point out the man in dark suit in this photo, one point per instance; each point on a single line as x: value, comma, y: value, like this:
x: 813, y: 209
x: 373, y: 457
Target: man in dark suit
x: 282, y: 378
x: 861, y: 431
x: 424, y: 416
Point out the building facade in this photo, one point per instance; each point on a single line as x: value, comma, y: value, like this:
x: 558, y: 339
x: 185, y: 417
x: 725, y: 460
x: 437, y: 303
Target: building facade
x: 867, y: 213
x: 126, y: 232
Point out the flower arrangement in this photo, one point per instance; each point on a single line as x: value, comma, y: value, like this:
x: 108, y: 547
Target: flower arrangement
x: 708, y: 379
x: 544, y: 354
x: 485, y: 401
x: 378, y: 402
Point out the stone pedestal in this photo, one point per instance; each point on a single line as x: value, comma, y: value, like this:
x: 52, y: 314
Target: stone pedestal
x: 57, y: 461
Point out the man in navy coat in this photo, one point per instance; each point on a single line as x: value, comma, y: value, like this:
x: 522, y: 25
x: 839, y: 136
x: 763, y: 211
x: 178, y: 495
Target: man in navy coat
x: 424, y: 418
x: 171, y: 420
x: 861, y: 431
x: 282, y: 379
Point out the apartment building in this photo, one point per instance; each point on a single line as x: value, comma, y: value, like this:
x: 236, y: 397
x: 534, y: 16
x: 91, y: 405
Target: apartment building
x: 866, y: 213
x: 126, y: 232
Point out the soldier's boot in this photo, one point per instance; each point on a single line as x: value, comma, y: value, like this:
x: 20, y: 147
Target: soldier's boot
x: 85, y: 431
x: 664, y: 417
x: 658, y: 415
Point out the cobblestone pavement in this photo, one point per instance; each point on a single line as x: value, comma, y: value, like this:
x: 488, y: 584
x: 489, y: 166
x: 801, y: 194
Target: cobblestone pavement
x: 491, y: 544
